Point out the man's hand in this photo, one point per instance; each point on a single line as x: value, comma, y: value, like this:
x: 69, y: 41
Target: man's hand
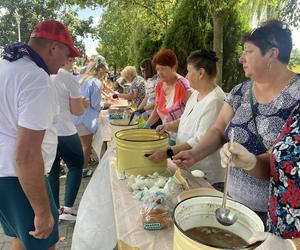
x: 238, y: 156
x: 43, y: 226
x: 185, y: 159
x: 157, y: 156
x: 271, y: 241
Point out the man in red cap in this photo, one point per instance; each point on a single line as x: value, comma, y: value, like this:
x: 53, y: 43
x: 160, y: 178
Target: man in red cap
x: 28, y: 137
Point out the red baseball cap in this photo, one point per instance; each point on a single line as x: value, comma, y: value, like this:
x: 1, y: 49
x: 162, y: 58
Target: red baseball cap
x: 55, y: 31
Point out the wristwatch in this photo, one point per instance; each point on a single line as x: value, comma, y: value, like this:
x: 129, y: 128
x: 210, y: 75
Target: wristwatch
x: 170, y: 153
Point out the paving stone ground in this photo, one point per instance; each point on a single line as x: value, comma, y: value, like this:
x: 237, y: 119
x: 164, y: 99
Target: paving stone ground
x: 65, y: 227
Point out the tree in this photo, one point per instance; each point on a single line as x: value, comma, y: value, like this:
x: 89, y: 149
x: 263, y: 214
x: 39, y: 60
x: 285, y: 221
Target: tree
x: 192, y: 29
x: 33, y: 11
x: 128, y: 27
x: 295, y: 59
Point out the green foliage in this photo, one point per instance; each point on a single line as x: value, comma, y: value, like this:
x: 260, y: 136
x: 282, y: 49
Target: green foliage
x: 114, y: 32
x: 144, y: 46
x: 235, y: 25
x: 296, y: 69
x: 295, y: 60
x: 132, y: 30
x: 32, y: 12
x: 192, y: 30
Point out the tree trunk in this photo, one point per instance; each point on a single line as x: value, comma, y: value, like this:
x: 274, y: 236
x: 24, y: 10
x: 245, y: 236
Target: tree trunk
x: 218, y: 43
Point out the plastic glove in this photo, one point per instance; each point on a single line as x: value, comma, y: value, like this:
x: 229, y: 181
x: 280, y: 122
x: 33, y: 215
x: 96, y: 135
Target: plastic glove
x: 140, y: 111
x: 271, y: 241
x: 238, y: 155
x: 115, y: 96
x: 147, y: 126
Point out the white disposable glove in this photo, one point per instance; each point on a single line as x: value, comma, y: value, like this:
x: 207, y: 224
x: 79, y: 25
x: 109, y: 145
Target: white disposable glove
x: 237, y: 156
x: 271, y: 242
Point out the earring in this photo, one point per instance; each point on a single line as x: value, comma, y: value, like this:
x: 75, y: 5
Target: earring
x: 269, y: 66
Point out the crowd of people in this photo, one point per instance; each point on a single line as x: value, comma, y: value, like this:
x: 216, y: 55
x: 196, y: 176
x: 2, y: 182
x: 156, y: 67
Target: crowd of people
x: 50, y: 113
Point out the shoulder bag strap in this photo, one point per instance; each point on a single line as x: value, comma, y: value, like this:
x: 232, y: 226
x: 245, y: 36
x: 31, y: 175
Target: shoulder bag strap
x: 259, y: 139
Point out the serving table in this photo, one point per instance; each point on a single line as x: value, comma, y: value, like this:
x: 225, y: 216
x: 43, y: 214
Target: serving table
x: 108, y: 216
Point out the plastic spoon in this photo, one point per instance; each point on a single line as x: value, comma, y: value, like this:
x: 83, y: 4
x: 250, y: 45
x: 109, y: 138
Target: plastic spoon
x: 223, y: 214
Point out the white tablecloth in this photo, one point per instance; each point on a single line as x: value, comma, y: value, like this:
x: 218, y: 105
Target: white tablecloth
x: 103, y: 132
x: 95, y: 226
x: 107, y: 213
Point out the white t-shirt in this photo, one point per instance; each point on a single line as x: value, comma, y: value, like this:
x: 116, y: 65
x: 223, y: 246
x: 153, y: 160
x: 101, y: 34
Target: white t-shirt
x: 196, y: 119
x: 67, y: 86
x: 27, y: 100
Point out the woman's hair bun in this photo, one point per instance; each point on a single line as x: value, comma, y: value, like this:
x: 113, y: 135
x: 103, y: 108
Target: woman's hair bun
x: 209, y: 54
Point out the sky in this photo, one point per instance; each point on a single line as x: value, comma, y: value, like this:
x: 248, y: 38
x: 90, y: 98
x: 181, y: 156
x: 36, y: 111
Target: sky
x: 91, y: 44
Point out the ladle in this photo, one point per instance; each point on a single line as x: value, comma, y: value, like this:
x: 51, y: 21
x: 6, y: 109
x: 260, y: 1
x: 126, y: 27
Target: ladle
x: 223, y: 214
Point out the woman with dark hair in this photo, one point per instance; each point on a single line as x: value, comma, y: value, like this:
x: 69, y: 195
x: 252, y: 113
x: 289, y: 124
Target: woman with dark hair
x: 284, y: 170
x: 172, y: 91
x: 256, y: 110
x: 152, y: 79
x: 201, y: 110
x: 69, y: 148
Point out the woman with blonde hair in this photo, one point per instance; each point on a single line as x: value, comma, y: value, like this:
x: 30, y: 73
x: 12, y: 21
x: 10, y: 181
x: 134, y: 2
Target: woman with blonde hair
x: 137, y: 86
x: 87, y: 124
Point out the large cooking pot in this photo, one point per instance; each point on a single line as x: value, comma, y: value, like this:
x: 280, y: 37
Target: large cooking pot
x: 120, y: 124
x: 200, y: 212
x: 132, y: 144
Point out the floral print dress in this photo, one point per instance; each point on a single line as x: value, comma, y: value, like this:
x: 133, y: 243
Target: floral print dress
x: 284, y: 202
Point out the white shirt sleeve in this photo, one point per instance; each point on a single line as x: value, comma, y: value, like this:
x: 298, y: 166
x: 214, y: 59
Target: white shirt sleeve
x: 35, y: 104
x: 72, y: 85
x: 210, y: 114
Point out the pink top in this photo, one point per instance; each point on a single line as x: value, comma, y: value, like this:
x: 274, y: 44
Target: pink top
x: 172, y: 110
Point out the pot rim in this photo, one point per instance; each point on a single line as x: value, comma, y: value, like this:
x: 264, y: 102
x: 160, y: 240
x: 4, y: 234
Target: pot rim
x: 161, y: 137
x: 124, y: 125
x: 200, y: 241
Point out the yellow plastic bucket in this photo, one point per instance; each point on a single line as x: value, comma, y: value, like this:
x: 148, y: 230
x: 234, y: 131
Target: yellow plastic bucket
x: 132, y: 144
x: 120, y: 124
x: 200, y: 212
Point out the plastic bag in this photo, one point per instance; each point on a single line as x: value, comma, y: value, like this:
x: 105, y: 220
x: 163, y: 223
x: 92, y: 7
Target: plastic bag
x: 155, y: 214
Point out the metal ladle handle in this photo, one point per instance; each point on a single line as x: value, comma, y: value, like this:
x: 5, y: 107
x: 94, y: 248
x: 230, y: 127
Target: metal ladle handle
x: 227, y: 172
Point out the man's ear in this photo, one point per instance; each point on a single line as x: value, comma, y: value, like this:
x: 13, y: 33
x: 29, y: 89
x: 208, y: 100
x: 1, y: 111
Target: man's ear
x: 53, y: 47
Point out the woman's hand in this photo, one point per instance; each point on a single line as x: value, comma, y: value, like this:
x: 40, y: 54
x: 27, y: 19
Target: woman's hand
x: 161, y: 129
x: 85, y: 102
x: 185, y: 159
x: 157, y: 156
x: 238, y: 156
